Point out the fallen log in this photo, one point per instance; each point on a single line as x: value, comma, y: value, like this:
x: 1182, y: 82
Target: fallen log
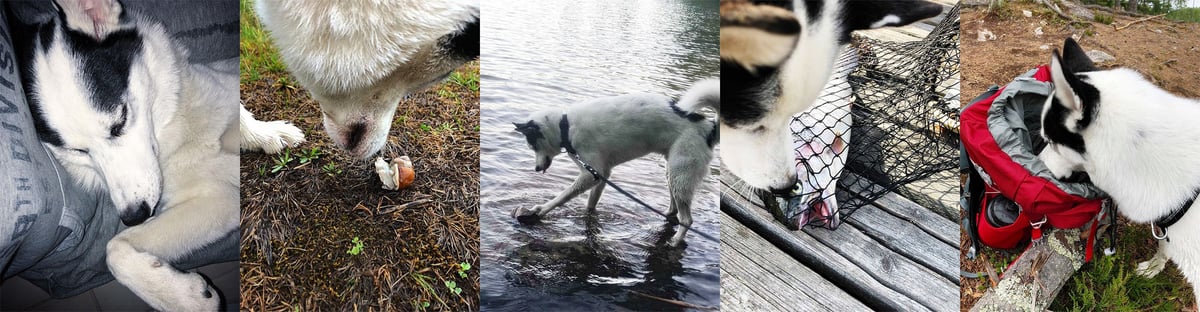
x: 1036, y: 277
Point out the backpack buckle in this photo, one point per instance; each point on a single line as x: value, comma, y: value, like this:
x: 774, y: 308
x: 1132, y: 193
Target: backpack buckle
x: 1036, y: 235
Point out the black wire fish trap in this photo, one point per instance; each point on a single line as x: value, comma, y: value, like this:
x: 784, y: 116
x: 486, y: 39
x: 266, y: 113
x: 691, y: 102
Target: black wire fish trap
x: 886, y: 122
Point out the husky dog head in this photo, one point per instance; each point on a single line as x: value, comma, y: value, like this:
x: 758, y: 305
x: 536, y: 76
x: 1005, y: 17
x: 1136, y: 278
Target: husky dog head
x: 98, y: 81
x: 543, y: 136
x: 1068, y: 113
x: 775, y: 60
x: 358, y: 59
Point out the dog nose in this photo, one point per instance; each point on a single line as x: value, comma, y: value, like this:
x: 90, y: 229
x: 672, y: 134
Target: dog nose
x: 355, y: 136
x: 136, y: 214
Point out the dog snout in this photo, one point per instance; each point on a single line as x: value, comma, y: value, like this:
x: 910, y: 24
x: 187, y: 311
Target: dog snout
x: 136, y: 214
x: 784, y: 191
x: 355, y: 135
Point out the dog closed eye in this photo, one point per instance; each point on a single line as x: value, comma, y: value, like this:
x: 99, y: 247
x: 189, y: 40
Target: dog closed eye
x: 118, y: 128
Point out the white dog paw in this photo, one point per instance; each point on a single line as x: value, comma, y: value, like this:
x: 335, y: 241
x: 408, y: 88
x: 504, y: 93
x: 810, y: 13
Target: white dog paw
x: 158, y: 283
x: 1150, y: 268
x: 528, y: 216
x: 271, y: 136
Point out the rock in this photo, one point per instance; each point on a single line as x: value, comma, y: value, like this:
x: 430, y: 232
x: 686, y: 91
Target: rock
x: 1027, y: 13
x: 985, y: 35
x: 1038, y: 32
x: 1098, y: 56
x: 1078, y: 11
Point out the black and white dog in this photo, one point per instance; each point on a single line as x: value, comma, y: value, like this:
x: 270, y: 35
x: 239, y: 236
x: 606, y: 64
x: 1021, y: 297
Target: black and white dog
x: 358, y: 59
x: 116, y: 102
x: 609, y: 131
x: 1137, y: 142
x: 776, y: 57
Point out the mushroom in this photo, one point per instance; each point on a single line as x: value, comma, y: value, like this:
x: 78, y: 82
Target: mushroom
x: 397, y: 174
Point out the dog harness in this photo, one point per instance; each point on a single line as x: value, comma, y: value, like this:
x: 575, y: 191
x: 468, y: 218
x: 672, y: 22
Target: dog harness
x: 1171, y: 218
x: 563, y: 129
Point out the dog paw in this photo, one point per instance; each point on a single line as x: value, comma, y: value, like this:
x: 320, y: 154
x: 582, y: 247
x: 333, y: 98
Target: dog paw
x: 1150, y: 268
x: 271, y: 137
x: 161, y: 285
x: 528, y: 216
x: 677, y: 239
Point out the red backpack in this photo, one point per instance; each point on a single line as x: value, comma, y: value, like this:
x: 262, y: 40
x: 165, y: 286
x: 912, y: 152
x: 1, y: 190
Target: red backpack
x: 1010, y: 193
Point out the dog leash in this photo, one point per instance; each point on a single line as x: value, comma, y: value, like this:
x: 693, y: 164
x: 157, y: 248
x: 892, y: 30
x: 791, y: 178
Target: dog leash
x: 563, y: 126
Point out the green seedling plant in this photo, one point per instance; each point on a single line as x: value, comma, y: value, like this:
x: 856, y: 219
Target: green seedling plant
x: 331, y: 169
x: 282, y: 161
x: 462, y: 269
x: 357, y: 248
x: 453, y: 287
x: 309, y: 155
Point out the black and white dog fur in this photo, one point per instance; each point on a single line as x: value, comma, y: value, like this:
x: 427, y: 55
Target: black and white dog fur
x: 1137, y: 142
x: 358, y: 59
x: 609, y: 131
x: 776, y: 57
x: 116, y: 102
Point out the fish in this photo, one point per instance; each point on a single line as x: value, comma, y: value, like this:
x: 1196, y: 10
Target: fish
x: 821, y: 142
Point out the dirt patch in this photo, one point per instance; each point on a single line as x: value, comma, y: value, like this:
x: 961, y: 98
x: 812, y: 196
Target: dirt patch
x: 1164, y: 51
x: 299, y: 222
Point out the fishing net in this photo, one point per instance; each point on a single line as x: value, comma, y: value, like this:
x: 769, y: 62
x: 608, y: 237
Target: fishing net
x: 887, y: 122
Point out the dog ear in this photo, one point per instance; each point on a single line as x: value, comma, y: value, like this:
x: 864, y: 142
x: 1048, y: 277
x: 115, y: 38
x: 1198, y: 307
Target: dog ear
x: 528, y: 128
x: 1074, y: 59
x: 757, y: 35
x: 97, y: 18
x: 1063, y: 70
x: 1062, y: 89
x: 869, y: 14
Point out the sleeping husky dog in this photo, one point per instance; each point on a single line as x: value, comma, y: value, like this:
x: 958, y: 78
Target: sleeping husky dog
x: 116, y: 102
x: 609, y: 131
x: 1136, y: 141
x: 776, y: 56
x: 358, y: 59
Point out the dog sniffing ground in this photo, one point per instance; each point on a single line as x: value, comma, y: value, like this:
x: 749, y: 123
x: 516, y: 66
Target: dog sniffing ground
x: 1163, y: 51
x: 303, y: 219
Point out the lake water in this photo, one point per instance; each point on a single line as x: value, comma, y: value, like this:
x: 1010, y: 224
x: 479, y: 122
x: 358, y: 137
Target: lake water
x: 543, y: 53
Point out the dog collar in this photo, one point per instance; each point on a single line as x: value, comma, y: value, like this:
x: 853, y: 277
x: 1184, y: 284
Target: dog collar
x: 1174, y: 216
x: 563, y: 129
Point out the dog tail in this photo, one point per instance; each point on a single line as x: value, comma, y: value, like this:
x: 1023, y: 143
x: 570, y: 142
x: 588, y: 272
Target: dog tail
x: 703, y: 93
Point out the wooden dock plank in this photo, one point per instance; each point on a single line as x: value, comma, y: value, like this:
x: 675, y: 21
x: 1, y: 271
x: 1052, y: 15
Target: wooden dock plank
x: 905, y: 238
x: 759, y: 277
x: 890, y: 262
x: 833, y: 265
x: 928, y: 221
